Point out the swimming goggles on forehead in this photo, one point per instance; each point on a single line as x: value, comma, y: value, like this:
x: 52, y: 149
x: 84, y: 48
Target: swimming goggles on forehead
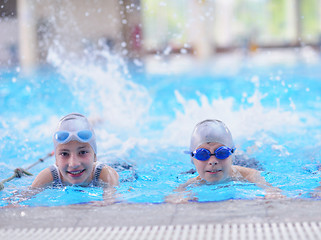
x: 65, y: 136
x: 203, y: 154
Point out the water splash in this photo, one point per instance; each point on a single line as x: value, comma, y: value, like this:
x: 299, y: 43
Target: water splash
x: 244, y: 122
x: 117, y: 106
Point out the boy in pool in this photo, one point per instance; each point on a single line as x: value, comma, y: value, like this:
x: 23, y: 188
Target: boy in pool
x: 212, y: 150
x: 76, y: 158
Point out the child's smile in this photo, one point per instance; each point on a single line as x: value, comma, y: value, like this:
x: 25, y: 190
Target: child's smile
x: 76, y: 173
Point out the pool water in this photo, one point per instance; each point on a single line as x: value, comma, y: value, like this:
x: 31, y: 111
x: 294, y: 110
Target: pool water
x: 144, y: 120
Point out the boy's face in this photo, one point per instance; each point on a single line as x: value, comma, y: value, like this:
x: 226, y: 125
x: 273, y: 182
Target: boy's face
x: 75, y: 161
x: 213, y: 170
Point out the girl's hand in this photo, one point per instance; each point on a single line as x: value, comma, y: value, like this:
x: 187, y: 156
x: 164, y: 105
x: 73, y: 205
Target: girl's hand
x: 273, y: 193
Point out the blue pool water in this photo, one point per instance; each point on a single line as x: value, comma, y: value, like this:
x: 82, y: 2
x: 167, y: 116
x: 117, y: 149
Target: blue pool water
x: 145, y: 120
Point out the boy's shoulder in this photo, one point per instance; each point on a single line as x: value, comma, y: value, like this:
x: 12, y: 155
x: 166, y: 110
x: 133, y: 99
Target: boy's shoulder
x: 249, y: 174
x: 244, y: 170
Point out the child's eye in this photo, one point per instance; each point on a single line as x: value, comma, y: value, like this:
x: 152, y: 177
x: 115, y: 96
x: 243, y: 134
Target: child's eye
x: 83, y: 152
x: 64, y: 154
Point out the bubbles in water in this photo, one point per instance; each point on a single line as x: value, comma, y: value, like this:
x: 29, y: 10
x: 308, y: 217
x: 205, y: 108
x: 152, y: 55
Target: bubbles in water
x: 183, y: 51
x: 167, y: 50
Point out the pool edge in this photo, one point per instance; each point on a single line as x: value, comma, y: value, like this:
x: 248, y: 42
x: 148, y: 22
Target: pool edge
x: 231, y: 211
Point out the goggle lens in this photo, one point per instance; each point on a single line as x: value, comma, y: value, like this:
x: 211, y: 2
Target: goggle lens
x: 83, y: 136
x: 204, y: 154
x: 222, y: 152
x: 61, y: 136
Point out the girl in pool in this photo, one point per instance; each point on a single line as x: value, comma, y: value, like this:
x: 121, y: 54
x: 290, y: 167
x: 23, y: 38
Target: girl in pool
x: 76, y: 160
x: 212, y: 150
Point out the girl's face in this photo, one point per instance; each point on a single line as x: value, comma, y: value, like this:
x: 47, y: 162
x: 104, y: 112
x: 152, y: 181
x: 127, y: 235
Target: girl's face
x: 213, y: 170
x: 75, y: 161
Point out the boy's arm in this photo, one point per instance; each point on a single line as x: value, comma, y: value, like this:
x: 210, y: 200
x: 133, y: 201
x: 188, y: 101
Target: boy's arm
x: 181, y: 194
x: 182, y: 187
x: 254, y: 176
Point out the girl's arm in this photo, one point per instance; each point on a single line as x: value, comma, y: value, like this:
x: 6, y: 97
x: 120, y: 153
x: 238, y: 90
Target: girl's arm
x: 109, y: 176
x: 111, y: 179
x: 43, y: 179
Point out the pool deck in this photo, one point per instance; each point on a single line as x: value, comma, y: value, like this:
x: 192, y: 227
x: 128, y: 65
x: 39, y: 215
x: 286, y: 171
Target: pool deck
x: 231, y: 211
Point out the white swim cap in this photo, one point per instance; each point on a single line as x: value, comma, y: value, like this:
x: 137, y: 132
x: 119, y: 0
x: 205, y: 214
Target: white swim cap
x: 211, y: 131
x: 76, y: 127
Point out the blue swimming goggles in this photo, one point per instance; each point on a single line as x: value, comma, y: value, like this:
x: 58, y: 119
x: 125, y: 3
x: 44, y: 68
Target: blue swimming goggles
x: 65, y: 137
x: 203, y: 154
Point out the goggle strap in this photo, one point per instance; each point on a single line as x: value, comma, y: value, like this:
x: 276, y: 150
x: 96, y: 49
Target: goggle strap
x: 189, y: 153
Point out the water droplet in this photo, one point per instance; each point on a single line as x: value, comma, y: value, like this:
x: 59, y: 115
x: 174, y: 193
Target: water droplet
x: 124, y: 52
x: 183, y: 51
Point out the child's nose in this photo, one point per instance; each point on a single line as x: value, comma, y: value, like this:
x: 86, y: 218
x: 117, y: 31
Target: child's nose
x: 213, y: 160
x: 73, y: 161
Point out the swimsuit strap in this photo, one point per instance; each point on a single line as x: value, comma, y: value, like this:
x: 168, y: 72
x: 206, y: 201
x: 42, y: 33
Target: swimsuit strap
x: 55, y: 175
x: 98, y: 168
x: 57, y: 180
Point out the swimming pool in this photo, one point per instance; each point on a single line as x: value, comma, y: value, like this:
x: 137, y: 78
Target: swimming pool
x: 144, y: 119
